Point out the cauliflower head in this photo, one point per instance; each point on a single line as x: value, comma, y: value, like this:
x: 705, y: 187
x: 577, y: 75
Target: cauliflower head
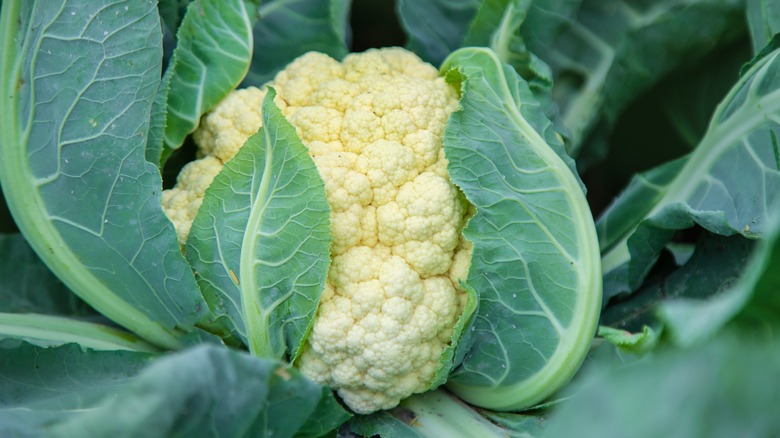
x: 373, y: 125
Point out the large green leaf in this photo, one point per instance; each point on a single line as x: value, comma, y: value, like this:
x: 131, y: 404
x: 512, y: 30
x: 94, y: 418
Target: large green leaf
x: 721, y: 390
x: 764, y: 22
x: 535, y: 260
x: 751, y: 300
x: 261, y: 240
x: 34, y: 303
x: 27, y: 285
x: 729, y: 184
x: 77, y: 87
x: 616, y: 49
x: 516, y: 28
x: 205, y: 391
x: 212, y: 55
x: 716, y: 265
x: 286, y: 29
x: 435, y: 28
x: 438, y: 27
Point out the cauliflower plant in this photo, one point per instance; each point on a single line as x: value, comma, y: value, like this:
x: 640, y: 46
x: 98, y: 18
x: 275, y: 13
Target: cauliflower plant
x: 373, y: 126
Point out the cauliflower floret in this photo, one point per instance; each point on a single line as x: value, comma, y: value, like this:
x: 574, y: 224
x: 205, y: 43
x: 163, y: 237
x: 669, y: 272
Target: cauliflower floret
x: 182, y: 202
x: 225, y: 129
x: 373, y: 125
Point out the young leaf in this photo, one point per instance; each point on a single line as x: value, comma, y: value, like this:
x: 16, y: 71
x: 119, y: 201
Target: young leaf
x: 261, y: 241
x: 214, y: 47
x: 728, y: 185
x: 535, y: 260
x: 67, y: 392
x: 286, y: 29
x: 77, y: 86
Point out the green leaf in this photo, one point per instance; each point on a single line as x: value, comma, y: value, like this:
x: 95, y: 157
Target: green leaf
x: 728, y: 185
x: 156, y: 153
x: 172, y: 12
x: 690, y: 96
x: 635, y: 343
x: 261, y: 240
x: 77, y: 87
x: 214, y: 48
x: 717, y: 263
x: 635, y: 201
x: 326, y: 417
x: 207, y: 390
x: 48, y: 330
x: 616, y: 49
x: 719, y: 390
x: 435, y: 28
x: 289, y: 28
x: 751, y: 299
x: 499, y: 24
x: 515, y: 28
x: 40, y: 387
x: 535, y: 259
x: 460, y: 340
x: 763, y: 18
x: 432, y: 414
x: 27, y: 285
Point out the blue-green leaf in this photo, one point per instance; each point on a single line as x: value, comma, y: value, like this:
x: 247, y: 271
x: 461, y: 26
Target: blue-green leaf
x: 720, y: 390
x: 535, y: 259
x: 613, y: 50
x: 261, y: 240
x: 729, y: 185
x: 77, y: 87
x: 214, y: 48
x: 752, y: 299
x: 763, y: 18
x: 436, y: 27
x: 286, y: 29
x: 204, y: 391
x: 50, y: 330
x: 28, y: 286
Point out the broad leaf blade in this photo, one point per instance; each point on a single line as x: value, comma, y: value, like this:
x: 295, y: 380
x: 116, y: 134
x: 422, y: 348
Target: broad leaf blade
x: 616, y: 49
x: 261, y: 240
x: 635, y: 202
x: 214, y: 48
x: 716, y: 265
x: 289, y: 28
x: 534, y: 263
x: 66, y: 392
x: 436, y: 27
x: 719, y: 390
x: 28, y: 286
x: 752, y: 299
x: 729, y: 185
x: 78, y: 84
x: 764, y: 22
